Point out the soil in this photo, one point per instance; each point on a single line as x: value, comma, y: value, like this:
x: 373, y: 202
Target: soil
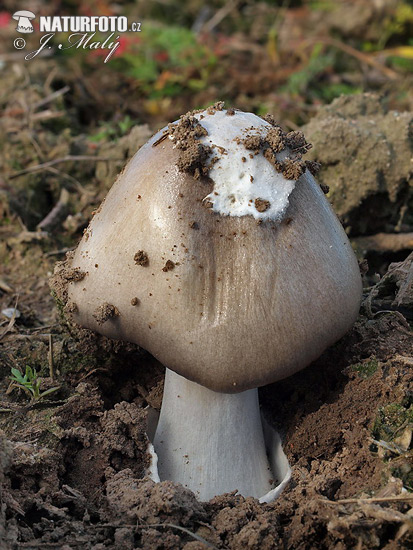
x: 73, y: 465
x: 104, y: 312
x: 141, y: 258
x: 262, y: 205
x: 193, y: 155
x: 169, y: 265
x: 365, y: 150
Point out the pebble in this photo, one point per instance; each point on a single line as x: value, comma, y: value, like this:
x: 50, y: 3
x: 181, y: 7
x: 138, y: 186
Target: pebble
x: 10, y: 311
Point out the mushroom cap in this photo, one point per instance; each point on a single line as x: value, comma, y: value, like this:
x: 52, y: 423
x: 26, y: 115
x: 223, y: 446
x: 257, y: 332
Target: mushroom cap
x: 23, y: 13
x: 223, y: 301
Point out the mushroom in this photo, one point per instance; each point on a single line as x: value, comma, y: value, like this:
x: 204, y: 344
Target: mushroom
x: 219, y: 254
x: 23, y: 17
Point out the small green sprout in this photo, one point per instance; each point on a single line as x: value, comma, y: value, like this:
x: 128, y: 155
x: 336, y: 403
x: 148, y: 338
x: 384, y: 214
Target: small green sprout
x: 30, y: 383
x: 367, y: 368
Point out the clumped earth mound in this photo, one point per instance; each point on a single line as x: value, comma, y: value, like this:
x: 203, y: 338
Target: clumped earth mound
x: 365, y: 151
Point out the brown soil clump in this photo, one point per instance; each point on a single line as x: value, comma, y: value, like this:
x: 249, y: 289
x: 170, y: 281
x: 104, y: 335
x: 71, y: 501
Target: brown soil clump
x: 253, y: 143
x: 169, y: 265
x: 314, y: 167
x: 292, y: 169
x: 193, y: 155
x: 141, y: 258
x: 297, y: 142
x: 276, y: 139
x: 262, y: 205
x: 104, y: 312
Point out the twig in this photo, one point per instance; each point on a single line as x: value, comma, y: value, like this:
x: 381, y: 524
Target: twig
x: 5, y: 287
x: 156, y: 526
x: 27, y: 337
x: 58, y: 252
x: 187, y: 531
x: 50, y: 357
x: 67, y: 158
x: 46, y: 115
x: 364, y: 58
x: 55, y: 212
x: 44, y: 404
x: 42, y: 327
x: 400, y: 498
x: 389, y: 446
x: 386, y: 242
x: 30, y: 236
x: 11, y: 322
x: 51, y: 97
x: 219, y: 16
x: 45, y: 545
x: 68, y: 177
x: 93, y: 371
x: 36, y: 146
x: 406, y: 327
x: 79, y: 188
x: 161, y: 139
x: 49, y: 79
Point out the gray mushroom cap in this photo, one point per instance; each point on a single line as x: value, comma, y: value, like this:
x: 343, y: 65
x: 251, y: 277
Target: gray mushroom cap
x: 223, y: 301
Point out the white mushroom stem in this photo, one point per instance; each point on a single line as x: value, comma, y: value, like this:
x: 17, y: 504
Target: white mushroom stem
x: 211, y: 442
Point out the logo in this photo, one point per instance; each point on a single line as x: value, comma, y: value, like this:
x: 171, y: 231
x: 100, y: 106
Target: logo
x: 83, y: 31
x: 23, y: 18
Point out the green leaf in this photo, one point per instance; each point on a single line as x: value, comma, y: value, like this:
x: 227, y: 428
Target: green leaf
x: 49, y: 391
x: 17, y: 375
x: 30, y: 374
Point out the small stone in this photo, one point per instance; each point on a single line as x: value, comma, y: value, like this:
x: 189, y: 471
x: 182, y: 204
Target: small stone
x: 9, y: 312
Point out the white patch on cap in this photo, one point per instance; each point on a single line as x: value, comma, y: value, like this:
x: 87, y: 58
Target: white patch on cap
x: 235, y: 192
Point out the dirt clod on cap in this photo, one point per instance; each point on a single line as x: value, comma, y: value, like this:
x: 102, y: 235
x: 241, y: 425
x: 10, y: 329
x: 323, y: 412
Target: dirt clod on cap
x: 141, y: 258
x: 104, y: 312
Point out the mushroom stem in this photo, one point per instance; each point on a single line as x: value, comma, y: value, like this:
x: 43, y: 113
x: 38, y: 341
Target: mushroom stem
x: 211, y: 442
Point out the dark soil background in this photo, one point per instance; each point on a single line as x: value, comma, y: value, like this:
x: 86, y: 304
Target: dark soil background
x: 73, y: 462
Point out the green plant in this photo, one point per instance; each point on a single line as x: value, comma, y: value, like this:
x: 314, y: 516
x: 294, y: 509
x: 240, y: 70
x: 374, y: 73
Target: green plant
x: 318, y: 63
x: 398, y: 25
x: 113, y: 130
x: 30, y: 383
x: 391, y: 419
x: 166, y: 61
x: 366, y: 369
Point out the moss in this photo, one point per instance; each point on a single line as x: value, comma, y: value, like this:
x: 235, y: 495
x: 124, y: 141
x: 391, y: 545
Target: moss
x: 366, y: 369
x: 60, y: 307
x: 39, y: 421
x: 391, y: 419
x: 76, y: 361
